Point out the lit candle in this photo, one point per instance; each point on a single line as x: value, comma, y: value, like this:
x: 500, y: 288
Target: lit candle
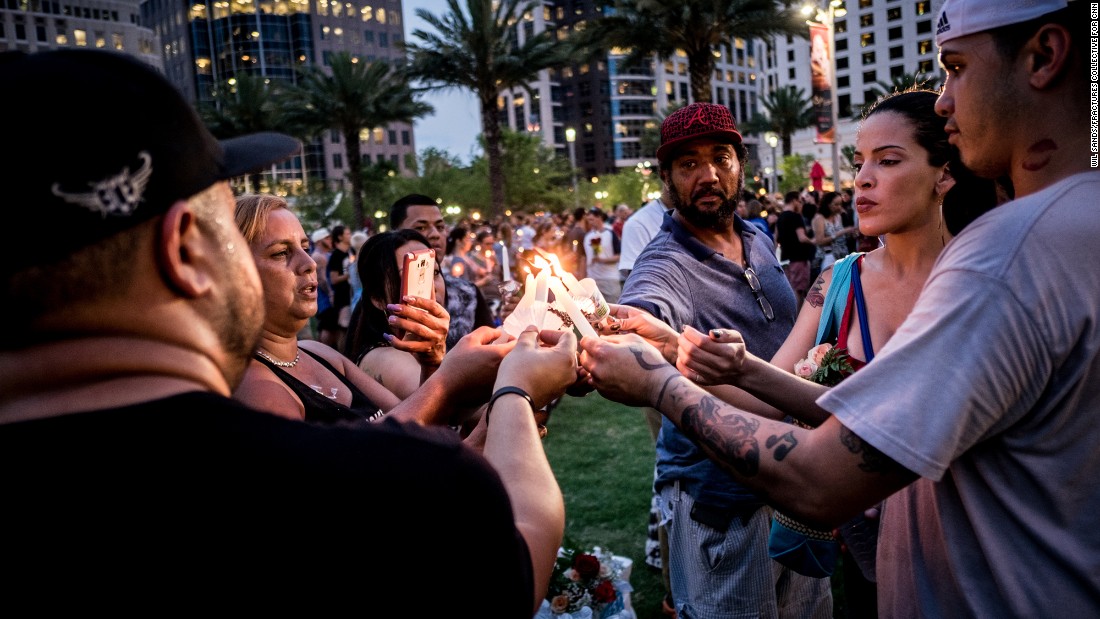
x: 561, y: 297
x: 506, y: 273
x: 566, y: 277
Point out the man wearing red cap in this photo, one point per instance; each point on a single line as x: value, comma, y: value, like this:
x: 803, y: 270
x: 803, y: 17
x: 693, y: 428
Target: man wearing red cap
x: 708, y: 269
x: 979, y: 419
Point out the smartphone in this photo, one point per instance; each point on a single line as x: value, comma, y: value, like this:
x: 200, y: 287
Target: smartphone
x: 419, y: 280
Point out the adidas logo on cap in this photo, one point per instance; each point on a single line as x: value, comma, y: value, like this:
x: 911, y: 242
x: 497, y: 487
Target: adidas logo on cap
x: 942, y: 25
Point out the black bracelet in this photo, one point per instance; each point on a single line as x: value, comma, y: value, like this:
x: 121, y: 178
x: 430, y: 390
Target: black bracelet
x: 505, y: 391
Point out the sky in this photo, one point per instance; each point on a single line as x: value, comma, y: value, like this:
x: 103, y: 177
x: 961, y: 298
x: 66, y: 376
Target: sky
x: 456, y: 123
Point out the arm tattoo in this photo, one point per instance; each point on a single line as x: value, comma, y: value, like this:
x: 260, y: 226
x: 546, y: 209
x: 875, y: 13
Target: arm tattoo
x: 639, y: 356
x: 786, y: 443
x: 732, y: 436
x: 873, y: 460
x: 815, y: 297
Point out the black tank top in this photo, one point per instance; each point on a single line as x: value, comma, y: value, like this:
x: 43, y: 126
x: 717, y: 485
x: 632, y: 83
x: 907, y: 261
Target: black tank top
x: 322, y: 409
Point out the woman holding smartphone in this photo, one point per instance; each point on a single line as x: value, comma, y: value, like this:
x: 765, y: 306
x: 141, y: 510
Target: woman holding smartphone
x: 398, y: 353
x: 306, y: 379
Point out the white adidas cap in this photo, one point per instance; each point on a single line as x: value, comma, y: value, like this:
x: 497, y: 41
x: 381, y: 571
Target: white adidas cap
x: 959, y: 18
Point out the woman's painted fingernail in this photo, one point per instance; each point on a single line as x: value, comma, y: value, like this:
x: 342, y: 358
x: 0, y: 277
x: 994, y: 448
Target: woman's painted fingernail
x: 392, y: 319
x: 717, y: 333
x: 388, y: 337
x: 393, y: 307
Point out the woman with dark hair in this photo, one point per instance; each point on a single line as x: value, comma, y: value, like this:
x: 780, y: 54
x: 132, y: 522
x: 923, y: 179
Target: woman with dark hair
x: 830, y: 233
x: 399, y: 355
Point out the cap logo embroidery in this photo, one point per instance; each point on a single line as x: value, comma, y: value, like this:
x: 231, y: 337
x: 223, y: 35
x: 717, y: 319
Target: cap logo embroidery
x: 942, y: 25
x: 699, y: 115
x: 117, y: 195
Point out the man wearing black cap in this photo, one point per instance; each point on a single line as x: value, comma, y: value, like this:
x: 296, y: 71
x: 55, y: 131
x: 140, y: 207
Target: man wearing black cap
x: 132, y: 483
x: 708, y: 269
x: 979, y: 419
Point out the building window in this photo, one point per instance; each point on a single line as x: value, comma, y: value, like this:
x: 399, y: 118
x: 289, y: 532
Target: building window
x: 867, y: 39
x: 924, y: 47
x: 897, y: 71
x: 896, y: 52
x: 894, y: 33
x: 844, y: 105
x: 841, y: 45
x: 334, y: 136
x: 893, y: 14
x: 923, y: 7
x: 867, y: 20
x: 405, y: 138
x: 842, y: 63
x: 100, y: 40
x: 116, y: 42
x: 925, y: 67
x: 924, y: 27
x: 869, y: 77
x: 790, y: 73
x: 870, y: 95
x: 842, y: 81
x: 40, y: 30
x: 377, y: 135
x: 865, y: 3
x: 20, y: 30
x: 80, y: 37
x: 393, y: 137
x: 840, y: 26
x: 383, y: 38
x: 338, y: 161
x: 868, y: 58
x: 790, y: 55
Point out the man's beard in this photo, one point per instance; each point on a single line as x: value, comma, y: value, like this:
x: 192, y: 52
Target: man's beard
x: 720, y: 219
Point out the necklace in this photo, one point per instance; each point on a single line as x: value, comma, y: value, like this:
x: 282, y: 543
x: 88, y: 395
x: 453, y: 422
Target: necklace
x: 276, y: 362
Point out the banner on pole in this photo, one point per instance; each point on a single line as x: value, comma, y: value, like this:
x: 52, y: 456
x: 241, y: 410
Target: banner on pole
x: 821, y: 80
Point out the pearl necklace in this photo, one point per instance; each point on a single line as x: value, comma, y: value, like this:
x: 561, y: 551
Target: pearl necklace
x: 276, y: 362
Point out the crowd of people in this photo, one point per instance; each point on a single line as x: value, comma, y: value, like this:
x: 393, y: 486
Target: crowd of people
x: 204, y: 403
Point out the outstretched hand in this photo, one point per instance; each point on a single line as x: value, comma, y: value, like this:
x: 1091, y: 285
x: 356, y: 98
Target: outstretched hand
x: 470, y: 368
x: 713, y: 358
x: 542, y: 364
x: 425, y: 324
x: 625, y: 368
x: 652, y: 329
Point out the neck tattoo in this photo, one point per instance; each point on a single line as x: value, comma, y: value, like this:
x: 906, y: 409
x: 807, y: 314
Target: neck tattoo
x: 276, y: 362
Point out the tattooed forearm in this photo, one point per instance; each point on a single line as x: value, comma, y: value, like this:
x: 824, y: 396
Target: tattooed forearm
x: 732, y: 437
x: 873, y: 461
x: 639, y: 355
x: 785, y: 442
x: 664, y: 388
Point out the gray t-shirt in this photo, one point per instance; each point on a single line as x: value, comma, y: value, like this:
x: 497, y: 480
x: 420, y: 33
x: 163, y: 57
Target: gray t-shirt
x: 990, y: 391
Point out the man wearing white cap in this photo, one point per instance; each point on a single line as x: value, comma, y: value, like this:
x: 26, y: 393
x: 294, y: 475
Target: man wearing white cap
x: 979, y: 418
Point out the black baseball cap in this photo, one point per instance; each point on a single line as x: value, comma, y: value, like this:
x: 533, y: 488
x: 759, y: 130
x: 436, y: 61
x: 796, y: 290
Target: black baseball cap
x: 96, y: 142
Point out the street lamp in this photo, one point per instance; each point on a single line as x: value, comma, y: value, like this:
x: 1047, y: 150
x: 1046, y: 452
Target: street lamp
x: 827, y: 15
x: 571, y: 139
x: 773, y: 140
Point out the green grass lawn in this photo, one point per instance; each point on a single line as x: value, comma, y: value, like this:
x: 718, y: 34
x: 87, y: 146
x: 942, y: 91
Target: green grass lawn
x: 603, y: 456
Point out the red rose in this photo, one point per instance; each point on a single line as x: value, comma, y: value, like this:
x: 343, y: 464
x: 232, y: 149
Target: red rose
x: 596, y: 241
x: 587, y: 566
x: 604, y: 593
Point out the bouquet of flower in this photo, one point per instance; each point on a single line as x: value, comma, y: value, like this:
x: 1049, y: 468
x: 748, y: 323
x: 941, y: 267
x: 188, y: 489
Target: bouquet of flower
x: 585, y: 584
x: 825, y: 365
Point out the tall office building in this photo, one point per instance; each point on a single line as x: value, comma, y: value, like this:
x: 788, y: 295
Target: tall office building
x: 610, y: 103
x: 39, y: 25
x: 876, y: 41
x: 207, y: 44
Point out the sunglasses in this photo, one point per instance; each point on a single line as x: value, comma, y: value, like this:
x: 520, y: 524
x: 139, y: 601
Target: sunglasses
x: 758, y: 294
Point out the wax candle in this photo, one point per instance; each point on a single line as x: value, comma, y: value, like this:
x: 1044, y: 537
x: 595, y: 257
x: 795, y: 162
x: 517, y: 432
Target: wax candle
x: 542, y: 283
x: 562, y: 298
x: 506, y: 272
x: 566, y: 277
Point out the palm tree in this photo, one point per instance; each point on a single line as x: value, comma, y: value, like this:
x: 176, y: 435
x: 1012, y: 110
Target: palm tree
x: 698, y: 28
x: 354, y: 97
x: 899, y: 83
x: 478, y: 49
x: 249, y: 108
x: 788, y: 110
